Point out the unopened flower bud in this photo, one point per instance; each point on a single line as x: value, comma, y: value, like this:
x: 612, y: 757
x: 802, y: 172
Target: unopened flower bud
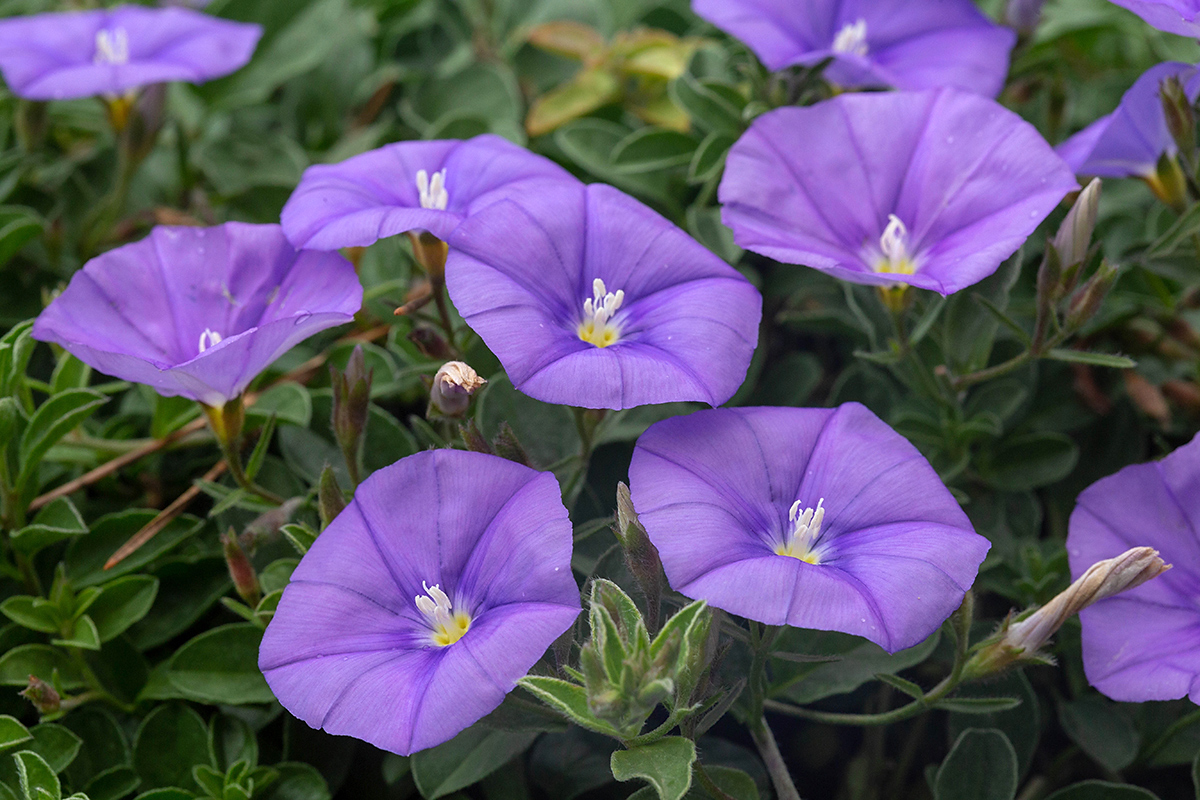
x: 269, y: 523
x: 452, y: 388
x: 506, y: 445
x: 1024, y: 15
x: 432, y: 344
x: 1074, y: 236
x: 245, y: 579
x: 330, y: 500
x: 1087, y: 301
x: 1021, y: 640
x: 351, y: 408
x: 641, y: 556
x: 42, y: 695
x: 1180, y: 118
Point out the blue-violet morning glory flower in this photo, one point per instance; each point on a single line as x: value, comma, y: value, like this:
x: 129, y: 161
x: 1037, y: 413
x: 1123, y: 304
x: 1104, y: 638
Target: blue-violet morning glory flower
x: 199, y: 312
x: 424, y: 601
x: 820, y: 518
x: 933, y: 189
x: 1173, y: 16
x: 110, y: 52
x: 1144, y: 644
x: 905, y: 44
x: 1129, y: 141
x: 591, y: 299
x: 407, y: 186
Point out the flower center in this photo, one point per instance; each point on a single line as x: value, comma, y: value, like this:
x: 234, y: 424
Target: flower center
x: 112, y: 47
x: 852, y: 38
x: 209, y: 338
x: 597, y: 326
x: 801, y: 541
x: 894, y: 245
x: 447, y: 625
x: 433, y: 191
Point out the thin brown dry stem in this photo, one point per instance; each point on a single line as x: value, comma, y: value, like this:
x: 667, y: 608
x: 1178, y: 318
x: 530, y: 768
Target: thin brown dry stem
x: 163, y: 519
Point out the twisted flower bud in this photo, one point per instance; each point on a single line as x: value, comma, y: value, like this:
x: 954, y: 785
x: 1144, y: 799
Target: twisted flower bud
x: 1022, y: 639
x: 452, y: 388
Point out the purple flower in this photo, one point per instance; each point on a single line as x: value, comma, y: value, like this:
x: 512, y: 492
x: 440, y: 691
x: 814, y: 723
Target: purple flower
x: 407, y: 186
x: 591, y: 299
x: 1144, y: 644
x: 933, y: 189
x: 110, y: 52
x: 1129, y: 141
x: 906, y: 44
x: 425, y: 601
x: 812, y: 517
x: 1173, y: 16
x: 199, y: 312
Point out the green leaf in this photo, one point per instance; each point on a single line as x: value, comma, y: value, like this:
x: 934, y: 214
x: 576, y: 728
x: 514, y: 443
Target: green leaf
x: 1022, y: 724
x: 1102, y: 790
x: 56, y: 744
x: 733, y: 782
x: 1179, y: 233
x: 568, y: 699
x: 36, y: 776
x: 277, y: 574
x: 589, y: 90
x: 83, y: 634
x: 1028, y: 461
x: 982, y: 765
x: 86, y: 555
x: 221, y: 666
x: 299, y: 536
x: 977, y: 705
x: 709, y: 158
x: 113, y: 783
x: 1095, y: 359
x: 41, y: 660
x: 665, y: 764
x: 709, y: 108
x: 53, y: 420
x: 231, y: 740
x: 967, y: 335
x: 56, y: 522
x: 896, y: 682
x: 121, y: 603
x: 1102, y: 729
x: 170, y: 741
x: 1196, y: 775
x: 653, y: 149
x: 103, y: 745
x: 166, y: 793
x: 289, y: 403
x: 467, y: 758
x: 805, y: 683
x: 680, y: 623
x: 70, y: 373
x: 186, y: 591
x: 296, y: 781
x: 18, y: 225
x: 12, y: 732
x: 35, y: 613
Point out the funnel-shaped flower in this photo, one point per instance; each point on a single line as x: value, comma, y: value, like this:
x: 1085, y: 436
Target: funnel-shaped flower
x: 425, y: 601
x: 591, y: 299
x: 1144, y: 644
x: 110, y: 52
x: 1129, y: 141
x: 407, y: 186
x: 905, y: 44
x: 199, y: 312
x: 812, y: 517
x: 1173, y: 16
x: 933, y: 189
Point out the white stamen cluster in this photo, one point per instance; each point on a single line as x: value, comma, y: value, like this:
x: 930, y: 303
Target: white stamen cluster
x: 433, y: 191
x: 112, y: 47
x: 209, y: 338
x: 801, y: 541
x: 448, y: 626
x: 598, y: 310
x: 852, y: 38
x: 894, y: 245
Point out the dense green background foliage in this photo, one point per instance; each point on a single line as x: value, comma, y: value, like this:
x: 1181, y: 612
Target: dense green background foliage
x: 158, y: 655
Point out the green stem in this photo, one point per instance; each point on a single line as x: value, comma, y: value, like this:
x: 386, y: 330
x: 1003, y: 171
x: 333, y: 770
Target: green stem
x: 656, y: 734
x: 768, y: 748
x: 909, y: 711
x: 1185, y: 721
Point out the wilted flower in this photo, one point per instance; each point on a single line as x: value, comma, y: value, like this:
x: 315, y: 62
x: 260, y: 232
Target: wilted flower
x: 199, y: 312
x: 591, y: 299
x: 452, y: 388
x: 1173, y: 16
x: 1130, y: 141
x: 906, y: 44
x: 407, y: 186
x: 1144, y: 644
x: 932, y: 189
x: 424, y: 602
x: 111, y: 52
x: 811, y: 517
